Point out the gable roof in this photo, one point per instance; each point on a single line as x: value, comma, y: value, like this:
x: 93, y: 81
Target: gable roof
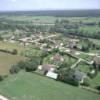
x: 96, y: 59
x: 46, y: 67
x: 57, y: 57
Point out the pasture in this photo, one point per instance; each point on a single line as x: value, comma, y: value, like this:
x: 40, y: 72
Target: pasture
x: 30, y: 86
x: 6, y: 60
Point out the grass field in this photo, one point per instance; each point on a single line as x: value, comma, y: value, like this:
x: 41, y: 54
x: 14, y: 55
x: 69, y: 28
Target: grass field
x: 96, y: 81
x: 90, y: 29
x: 6, y: 60
x: 29, y: 86
x: 35, y: 19
x: 11, y: 46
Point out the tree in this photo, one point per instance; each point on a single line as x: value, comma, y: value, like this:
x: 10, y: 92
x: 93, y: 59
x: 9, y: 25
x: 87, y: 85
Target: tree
x: 21, y: 64
x: 66, y: 75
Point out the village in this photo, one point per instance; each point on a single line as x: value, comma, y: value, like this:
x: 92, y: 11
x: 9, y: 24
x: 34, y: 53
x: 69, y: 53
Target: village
x: 59, y: 53
x: 49, y: 56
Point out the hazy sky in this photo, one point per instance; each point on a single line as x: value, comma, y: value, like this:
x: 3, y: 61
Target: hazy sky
x: 48, y: 4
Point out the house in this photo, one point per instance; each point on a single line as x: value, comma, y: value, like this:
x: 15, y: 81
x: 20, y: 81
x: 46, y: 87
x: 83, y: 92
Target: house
x: 96, y: 59
x: 79, y: 76
x: 46, y: 68
x: 73, y: 43
x: 57, y: 57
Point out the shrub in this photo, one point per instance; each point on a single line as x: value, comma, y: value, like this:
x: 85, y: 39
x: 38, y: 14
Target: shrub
x: 86, y: 82
x: 14, y: 69
x: 98, y: 88
x: 31, y: 66
x: 21, y: 64
x: 67, y: 77
x: 1, y: 78
x: 14, y: 52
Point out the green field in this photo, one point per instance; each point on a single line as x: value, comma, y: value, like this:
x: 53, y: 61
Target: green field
x: 90, y: 29
x: 11, y: 46
x: 29, y: 86
x: 34, y: 19
x: 6, y: 60
x: 96, y: 81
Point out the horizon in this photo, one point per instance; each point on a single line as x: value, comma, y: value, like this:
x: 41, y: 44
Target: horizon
x: 43, y: 5
x: 49, y: 10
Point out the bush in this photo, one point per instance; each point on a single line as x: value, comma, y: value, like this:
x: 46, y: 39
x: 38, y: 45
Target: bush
x: 67, y: 77
x: 21, y: 64
x: 5, y: 51
x: 31, y: 66
x: 14, y: 69
x: 86, y: 82
x: 14, y: 52
x: 1, y: 78
x: 98, y: 88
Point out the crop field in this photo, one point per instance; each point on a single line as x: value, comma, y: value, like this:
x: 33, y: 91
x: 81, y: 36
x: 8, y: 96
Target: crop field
x: 29, y: 86
x: 36, y: 19
x: 6, y: 60
x: 91, y: 29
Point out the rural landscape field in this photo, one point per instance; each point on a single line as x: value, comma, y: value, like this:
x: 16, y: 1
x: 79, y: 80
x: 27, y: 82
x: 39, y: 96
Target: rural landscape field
x: 49, y: 54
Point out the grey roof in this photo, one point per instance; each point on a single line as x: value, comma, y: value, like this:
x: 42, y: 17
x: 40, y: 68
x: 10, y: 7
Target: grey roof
x: 79, y: 75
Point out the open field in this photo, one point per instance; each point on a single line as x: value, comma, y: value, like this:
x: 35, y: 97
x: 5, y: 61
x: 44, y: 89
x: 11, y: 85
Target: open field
x: 35, y: 19
x: 90, y: 29
x: 11, y: 46
x: 6, y: 60
x: 29, y: 86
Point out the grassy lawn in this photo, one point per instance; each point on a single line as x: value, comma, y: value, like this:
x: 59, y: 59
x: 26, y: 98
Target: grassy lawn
x: 86, y: 57
x: 6, y: 60
x: 96, y: 81
x: 84, y: 67
x: 29, y: 86
x: 66, y: 58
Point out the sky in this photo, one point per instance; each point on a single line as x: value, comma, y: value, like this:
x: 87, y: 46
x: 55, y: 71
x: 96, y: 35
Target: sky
x: 18, y: 5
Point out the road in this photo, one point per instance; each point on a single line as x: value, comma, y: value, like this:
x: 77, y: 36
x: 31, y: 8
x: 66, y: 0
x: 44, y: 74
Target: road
x: 78, y: 58
x: 44, y: 38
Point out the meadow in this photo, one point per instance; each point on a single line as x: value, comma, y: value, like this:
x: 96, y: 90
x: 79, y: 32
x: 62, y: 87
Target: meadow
x: 11, y: 46
x: 30, y: 86
x: 7, y: 60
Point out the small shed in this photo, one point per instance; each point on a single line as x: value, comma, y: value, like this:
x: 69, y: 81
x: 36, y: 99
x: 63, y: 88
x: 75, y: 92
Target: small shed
x: 52, y: 75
